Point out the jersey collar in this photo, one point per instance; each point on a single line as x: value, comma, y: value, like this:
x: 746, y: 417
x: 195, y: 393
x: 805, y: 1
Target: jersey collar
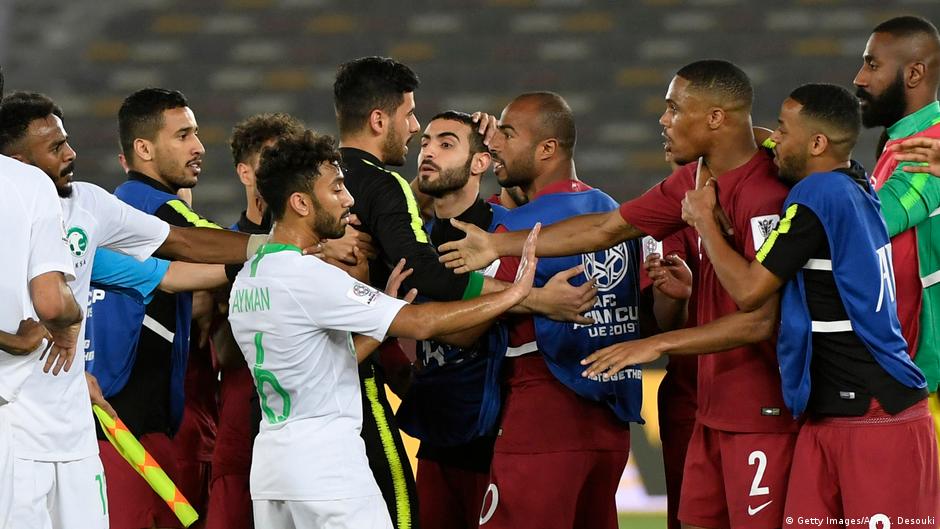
x: 352, y: 153
x: 275, y: 247
x: 141, y: 177
x: 563, y: 186
x: 919, y: 121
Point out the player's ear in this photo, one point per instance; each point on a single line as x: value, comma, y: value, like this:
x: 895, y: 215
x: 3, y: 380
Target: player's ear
x: 716, y: 116
x: 377, y: 121
x: 819, y: 144
x: 245, y: 174
x: 144, y: 149
x: 480, y: 162
x: 915, y: 74
x: 546, y: 148
x: 299, y: 203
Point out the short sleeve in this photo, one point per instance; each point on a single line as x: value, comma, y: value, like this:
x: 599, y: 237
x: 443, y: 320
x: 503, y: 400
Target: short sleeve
x: 139, y: 279
x: 48, y: 247
x: 334, y: 300
x: 795, y: 241
x: 757, y: 214
x: 658, y: 211
x: 125, y: 229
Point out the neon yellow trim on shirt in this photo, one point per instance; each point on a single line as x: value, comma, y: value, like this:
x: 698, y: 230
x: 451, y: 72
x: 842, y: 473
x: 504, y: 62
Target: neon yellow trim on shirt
x: 191, y: 217
x: 416, y: 225
x: 783, y: 227
x: 402, y: 505
x: 913, y: 195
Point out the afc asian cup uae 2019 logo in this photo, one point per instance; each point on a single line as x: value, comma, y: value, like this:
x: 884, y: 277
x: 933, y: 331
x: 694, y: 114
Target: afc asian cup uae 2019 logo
x: 608, y: 267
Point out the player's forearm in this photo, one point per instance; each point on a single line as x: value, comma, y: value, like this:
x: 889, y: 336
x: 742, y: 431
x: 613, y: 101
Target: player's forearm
x: 466, y: 338
x: 428, y: 320
x: 896, y: 216
x: 54, y: 302
x: 670, y: 313
x: 579, y: 234
x: 733, y: 270
x: 12, y: 343
x: 432, y: 279
x: 727, y: 332
x: 205, y: 245
x: 186, y: 277
x: 364, y: 346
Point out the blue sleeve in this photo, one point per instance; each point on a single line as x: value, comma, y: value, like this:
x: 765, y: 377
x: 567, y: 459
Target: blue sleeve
x: 138, y: 279
x: 498, y: 213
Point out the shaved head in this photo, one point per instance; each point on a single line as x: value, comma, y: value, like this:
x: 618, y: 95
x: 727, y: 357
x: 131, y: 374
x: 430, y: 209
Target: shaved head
x: 900, y: 71
x: 554, y: 118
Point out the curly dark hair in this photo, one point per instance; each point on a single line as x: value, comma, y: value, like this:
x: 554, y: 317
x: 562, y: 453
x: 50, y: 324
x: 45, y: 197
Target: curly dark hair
x: 17, y: 111
x: 250, y: 135
x: 292, y: 165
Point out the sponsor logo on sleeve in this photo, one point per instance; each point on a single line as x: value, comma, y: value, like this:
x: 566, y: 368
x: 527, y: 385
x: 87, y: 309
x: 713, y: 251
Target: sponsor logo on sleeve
x: 363, y: 294
x: 650, y: 246
x: 761, y: 228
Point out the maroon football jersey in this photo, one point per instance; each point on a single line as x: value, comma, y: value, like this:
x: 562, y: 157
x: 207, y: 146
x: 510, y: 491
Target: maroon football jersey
x: 739, y: 389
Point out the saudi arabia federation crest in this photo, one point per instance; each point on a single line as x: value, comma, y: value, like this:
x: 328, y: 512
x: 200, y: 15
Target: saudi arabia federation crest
x: 608, y: 267
x: 77, y: 240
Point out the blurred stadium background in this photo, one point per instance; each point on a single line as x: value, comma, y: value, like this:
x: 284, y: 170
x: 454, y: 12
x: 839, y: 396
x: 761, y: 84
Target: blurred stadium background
x: 610, y: 59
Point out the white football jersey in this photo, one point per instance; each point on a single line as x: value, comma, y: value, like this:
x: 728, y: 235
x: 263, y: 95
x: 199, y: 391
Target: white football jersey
x: 52, y: 417
x: 33, y: 244
x: 292, y: 316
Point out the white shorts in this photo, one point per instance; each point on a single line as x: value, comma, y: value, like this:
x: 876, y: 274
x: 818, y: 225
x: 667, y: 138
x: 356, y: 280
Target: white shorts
x: 6, y: 469
x: 369, y: 512
x: 59, y: 495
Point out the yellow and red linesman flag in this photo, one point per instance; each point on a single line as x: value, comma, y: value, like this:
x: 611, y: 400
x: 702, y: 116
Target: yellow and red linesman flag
x: 130, y: 448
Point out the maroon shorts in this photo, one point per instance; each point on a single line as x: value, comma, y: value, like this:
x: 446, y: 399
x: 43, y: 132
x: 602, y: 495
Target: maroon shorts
x: 449, y: 497
x: 736, y: 480
x: 558, y: 458
x: 557, y: 490
x: 133, y: 504
x: 676, y: 422
x: 230, y: 503
x: 854, y: 469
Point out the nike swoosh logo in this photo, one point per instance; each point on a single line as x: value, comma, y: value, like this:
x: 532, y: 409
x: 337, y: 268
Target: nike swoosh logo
x: 752, y: 511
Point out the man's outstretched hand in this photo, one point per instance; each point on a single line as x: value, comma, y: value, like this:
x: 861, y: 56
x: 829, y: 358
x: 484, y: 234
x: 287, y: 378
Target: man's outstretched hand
x: 525, y: 274
x: 473, y: 252
x: 608, y: 361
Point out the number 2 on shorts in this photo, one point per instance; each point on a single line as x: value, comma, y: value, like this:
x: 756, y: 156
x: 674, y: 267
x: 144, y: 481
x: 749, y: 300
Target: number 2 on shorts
x: 760, y: 458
